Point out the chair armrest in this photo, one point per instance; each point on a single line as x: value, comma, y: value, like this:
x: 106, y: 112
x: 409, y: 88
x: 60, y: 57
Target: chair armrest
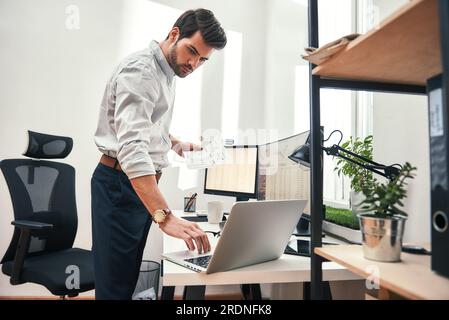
x: 31, y: 225
x: 26, y: 229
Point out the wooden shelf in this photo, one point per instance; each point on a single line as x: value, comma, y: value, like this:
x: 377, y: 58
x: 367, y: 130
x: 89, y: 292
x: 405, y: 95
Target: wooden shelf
x: 405, y: 49
x: 411, y: 278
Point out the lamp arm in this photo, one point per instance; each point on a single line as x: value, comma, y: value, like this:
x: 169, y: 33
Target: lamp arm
x: 336, y: 149
x: 388, y: 172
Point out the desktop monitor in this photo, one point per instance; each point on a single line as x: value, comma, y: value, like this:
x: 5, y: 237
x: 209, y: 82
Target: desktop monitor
x: 280, y: 178
x: 237, y: 176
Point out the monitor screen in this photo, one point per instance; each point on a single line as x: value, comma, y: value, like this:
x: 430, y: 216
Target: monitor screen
x: 237, y: 176
x: 279, y: 177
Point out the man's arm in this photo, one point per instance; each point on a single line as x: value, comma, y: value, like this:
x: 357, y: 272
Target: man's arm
x: 148, y: 191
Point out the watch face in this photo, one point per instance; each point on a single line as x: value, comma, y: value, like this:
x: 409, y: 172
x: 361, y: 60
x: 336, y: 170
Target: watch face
x: 159, y: 216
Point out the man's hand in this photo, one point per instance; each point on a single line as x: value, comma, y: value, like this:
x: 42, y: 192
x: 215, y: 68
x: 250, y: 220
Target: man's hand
x: 187, y: 231
x: 182, y: 147
x: 148, y: 191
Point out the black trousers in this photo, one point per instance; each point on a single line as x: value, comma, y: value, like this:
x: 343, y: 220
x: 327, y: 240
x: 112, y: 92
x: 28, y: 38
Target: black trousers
x: 120, y: 225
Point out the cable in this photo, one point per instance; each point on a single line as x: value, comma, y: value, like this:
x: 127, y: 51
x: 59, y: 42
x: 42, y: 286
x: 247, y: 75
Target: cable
x: 341, y: 136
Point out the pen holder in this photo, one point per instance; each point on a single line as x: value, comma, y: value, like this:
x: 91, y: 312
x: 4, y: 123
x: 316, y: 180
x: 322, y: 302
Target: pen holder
x: 189, y: 204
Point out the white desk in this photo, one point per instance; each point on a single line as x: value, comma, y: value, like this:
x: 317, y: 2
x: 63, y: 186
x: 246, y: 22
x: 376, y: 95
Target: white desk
x: 286, y: 269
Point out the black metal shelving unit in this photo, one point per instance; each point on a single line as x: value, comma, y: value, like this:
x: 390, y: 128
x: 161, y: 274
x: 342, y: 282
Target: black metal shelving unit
x: 317, y: 83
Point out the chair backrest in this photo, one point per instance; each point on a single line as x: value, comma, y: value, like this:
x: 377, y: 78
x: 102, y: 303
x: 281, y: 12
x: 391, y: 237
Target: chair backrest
x: 42, y: 191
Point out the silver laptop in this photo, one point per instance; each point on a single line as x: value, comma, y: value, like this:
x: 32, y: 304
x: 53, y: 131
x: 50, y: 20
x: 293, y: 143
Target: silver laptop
x: 255, y: 232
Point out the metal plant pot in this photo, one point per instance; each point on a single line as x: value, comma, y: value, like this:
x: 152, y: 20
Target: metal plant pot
x: 382, y: 237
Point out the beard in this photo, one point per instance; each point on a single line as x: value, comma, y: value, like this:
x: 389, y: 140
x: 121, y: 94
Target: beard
x: 181, y: 70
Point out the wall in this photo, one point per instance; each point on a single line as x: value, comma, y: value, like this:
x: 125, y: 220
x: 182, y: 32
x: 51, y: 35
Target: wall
x: 53, y: 80
x: 286, y: 38
x: 249, y: 19
x: 400, y: 128
x: 400, y: 135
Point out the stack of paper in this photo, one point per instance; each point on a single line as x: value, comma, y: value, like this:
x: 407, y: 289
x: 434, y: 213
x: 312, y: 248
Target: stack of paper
x: 320, y: 55
x: 213, y: 153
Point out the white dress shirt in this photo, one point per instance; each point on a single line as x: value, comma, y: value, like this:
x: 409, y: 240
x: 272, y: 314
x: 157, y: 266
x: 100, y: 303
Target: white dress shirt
x: 136, y: 112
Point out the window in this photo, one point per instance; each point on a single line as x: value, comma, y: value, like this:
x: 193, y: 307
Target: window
x: 347, y: 111
x: 231, y: 85
x: 336, y: 19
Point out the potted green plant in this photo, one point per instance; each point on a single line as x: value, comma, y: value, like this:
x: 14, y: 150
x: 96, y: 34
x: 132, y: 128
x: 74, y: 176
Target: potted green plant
x: 383, y: 227
x: 358, y: 175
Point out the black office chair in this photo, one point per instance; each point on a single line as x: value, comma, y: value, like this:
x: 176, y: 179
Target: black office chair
x: 45, y: 220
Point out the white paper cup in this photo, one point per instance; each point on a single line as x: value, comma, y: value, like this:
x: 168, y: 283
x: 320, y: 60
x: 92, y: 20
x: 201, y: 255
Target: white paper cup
x: 214, y: 211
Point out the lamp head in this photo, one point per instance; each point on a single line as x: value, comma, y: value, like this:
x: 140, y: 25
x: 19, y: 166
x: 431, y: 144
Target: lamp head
x: 302, y: 155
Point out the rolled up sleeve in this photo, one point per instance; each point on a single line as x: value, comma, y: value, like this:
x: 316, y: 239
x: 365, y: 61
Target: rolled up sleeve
x: 136, y: 93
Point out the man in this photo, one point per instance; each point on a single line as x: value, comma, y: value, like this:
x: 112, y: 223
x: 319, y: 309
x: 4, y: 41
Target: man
x: 133, y: 135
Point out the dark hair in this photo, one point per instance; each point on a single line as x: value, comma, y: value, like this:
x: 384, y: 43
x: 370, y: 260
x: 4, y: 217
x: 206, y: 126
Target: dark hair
x: 203, y: 20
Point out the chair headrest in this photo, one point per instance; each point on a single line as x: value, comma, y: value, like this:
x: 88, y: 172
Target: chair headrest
x: 47, y: 146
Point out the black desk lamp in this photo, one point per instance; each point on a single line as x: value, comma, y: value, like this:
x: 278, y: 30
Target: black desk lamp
x: 302, y: 156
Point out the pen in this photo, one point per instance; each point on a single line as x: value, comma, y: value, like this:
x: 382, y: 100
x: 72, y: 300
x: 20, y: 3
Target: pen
x: 190, y: 202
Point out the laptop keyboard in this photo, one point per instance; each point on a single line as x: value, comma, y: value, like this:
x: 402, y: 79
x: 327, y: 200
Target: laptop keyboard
x: 200, y: 261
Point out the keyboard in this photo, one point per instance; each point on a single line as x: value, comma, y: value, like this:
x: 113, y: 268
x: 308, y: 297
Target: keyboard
x: 199, y: 218
x: 200, y: 261
x: 195, y: 218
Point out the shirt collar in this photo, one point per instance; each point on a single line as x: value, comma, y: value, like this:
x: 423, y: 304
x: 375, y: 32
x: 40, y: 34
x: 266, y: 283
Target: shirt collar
x: 163, y: 63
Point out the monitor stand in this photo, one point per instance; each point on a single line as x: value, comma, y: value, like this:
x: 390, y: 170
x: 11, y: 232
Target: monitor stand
x: 302, y: 228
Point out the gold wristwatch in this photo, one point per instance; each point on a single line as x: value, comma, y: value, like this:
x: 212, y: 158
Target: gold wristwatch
x: 160, y: 215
